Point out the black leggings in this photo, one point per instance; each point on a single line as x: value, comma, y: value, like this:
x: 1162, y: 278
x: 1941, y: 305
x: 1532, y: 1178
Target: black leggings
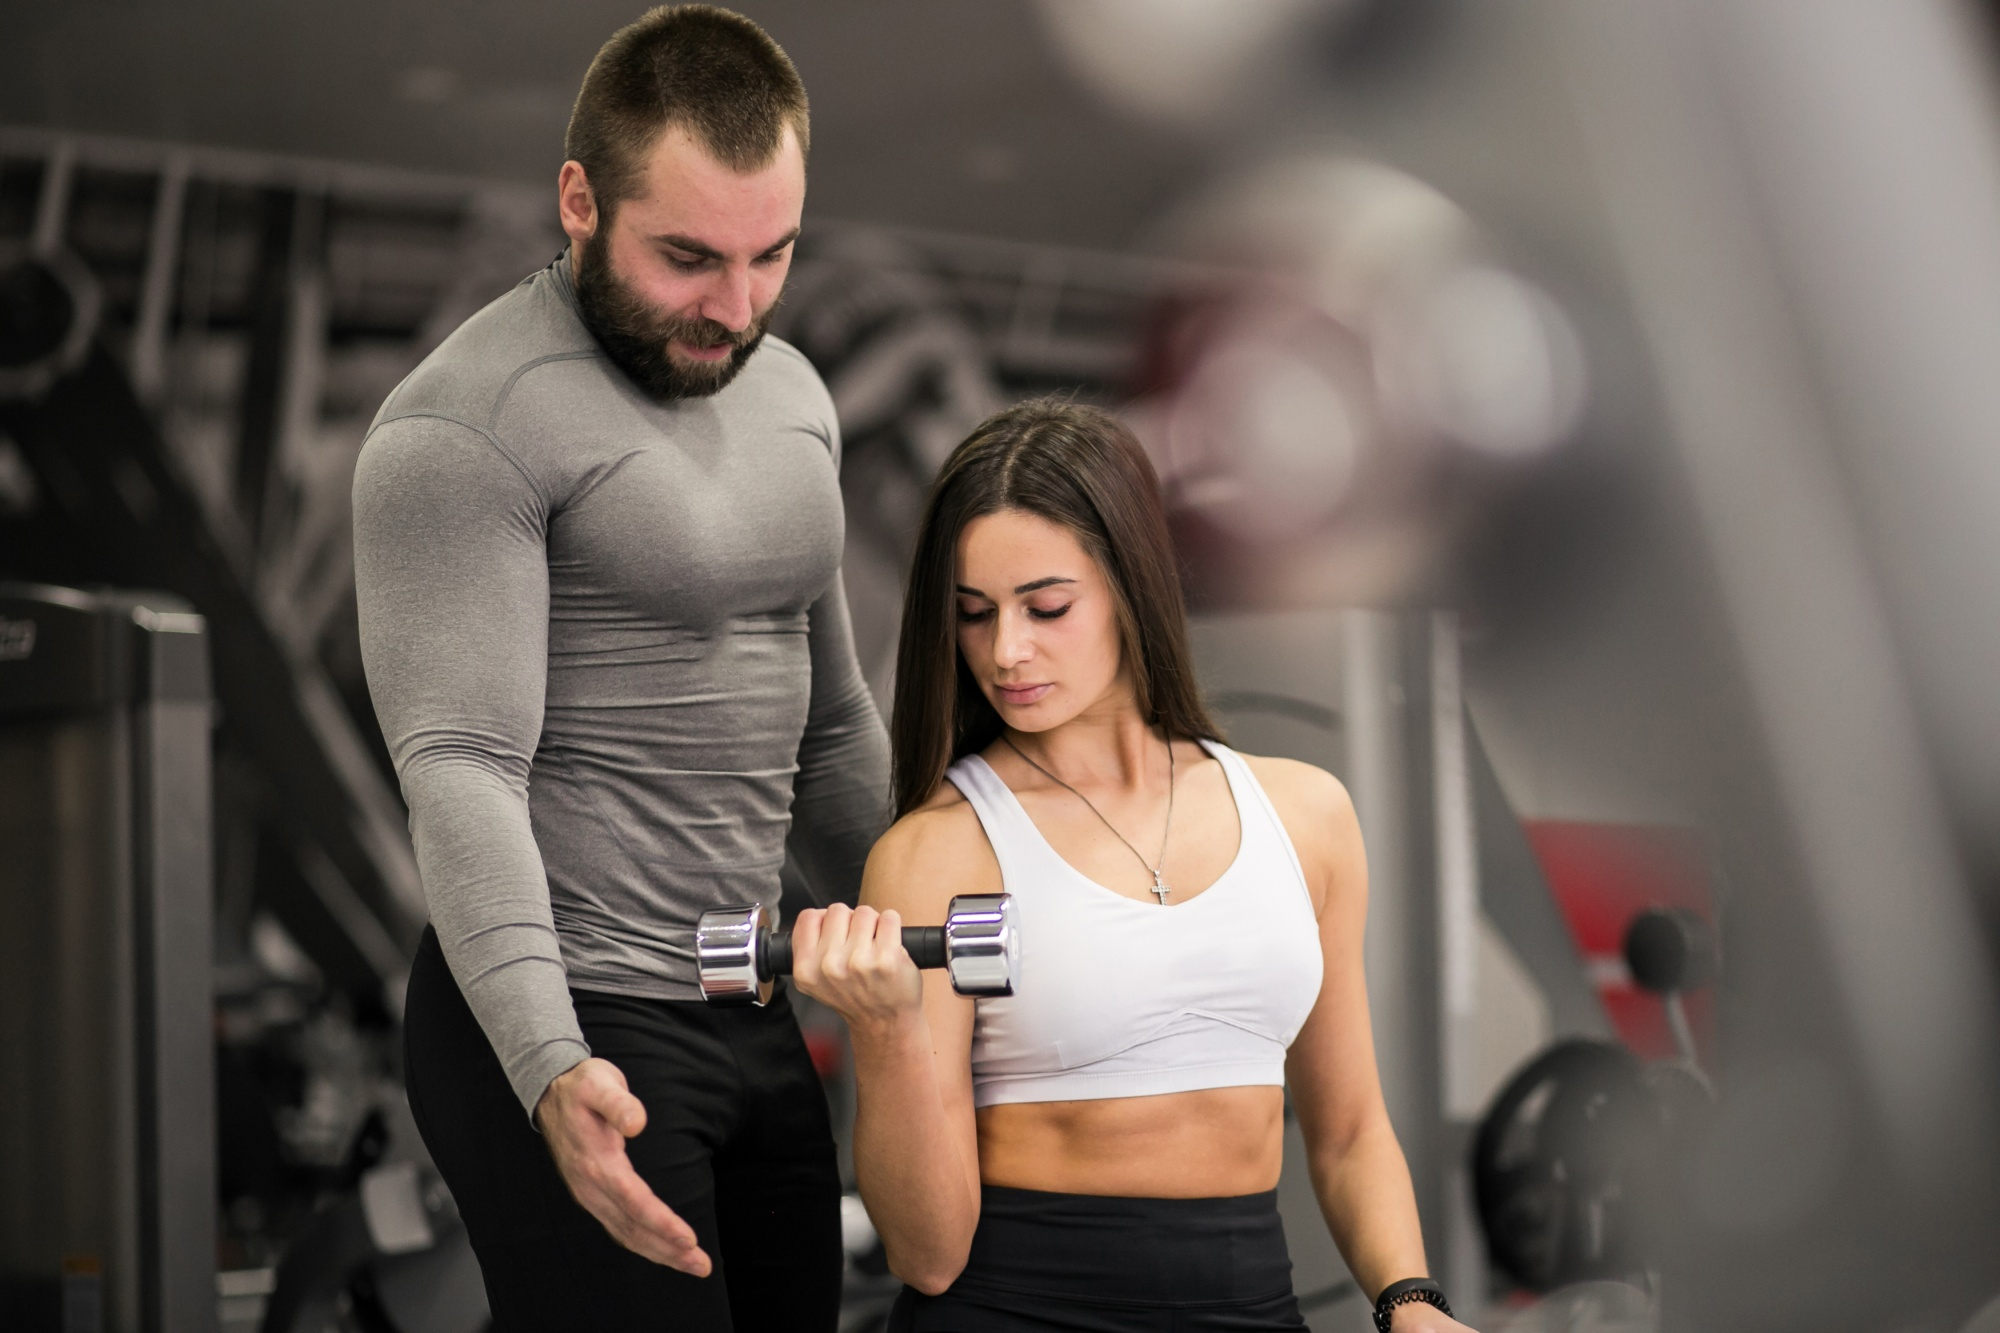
x: 737, y: 1141
x: 1085, y: 1263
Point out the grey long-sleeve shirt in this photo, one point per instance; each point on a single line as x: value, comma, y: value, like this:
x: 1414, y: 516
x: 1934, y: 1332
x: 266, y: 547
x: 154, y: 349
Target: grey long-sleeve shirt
x: 608, y: 644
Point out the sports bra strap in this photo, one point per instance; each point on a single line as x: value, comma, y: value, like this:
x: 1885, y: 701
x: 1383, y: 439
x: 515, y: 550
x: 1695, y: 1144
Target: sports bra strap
x: 1008, y: 828
x: 1243, y: 780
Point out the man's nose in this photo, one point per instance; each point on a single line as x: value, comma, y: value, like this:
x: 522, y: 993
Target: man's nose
x: 728, y: 300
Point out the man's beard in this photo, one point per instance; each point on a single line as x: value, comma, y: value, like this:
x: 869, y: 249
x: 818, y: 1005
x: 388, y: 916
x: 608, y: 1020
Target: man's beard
x: 635, y: 334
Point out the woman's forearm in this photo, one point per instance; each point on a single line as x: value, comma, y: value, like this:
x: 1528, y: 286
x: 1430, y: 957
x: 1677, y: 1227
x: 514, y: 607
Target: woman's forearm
x: 1365, y: 1193
x: 918, y: 1179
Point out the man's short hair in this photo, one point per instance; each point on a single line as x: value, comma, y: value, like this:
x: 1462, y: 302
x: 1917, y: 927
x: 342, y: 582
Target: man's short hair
x: 710, y: 71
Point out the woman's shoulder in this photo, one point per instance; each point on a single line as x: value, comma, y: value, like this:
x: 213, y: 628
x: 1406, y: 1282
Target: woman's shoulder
x: 930, y: 855
x: 943, y: 819
x: 1317, y: 813
x: 1291, y: 783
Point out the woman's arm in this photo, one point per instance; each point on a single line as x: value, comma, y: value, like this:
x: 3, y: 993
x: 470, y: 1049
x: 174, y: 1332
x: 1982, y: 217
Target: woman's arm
x: 915, y: 1144
x: 1358, y: 1169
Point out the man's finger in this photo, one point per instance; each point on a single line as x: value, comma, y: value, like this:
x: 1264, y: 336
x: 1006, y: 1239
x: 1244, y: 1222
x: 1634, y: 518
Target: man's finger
x: 628, y: 1191
x: 646, y: 1210
x: 684, y: 1258
x: 610, y: 1099
x: 642, y: 1223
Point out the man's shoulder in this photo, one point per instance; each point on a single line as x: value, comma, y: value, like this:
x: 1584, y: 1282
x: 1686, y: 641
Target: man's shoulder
x: 468, y: 375
x: 788, y: 360
x: 779, y: 379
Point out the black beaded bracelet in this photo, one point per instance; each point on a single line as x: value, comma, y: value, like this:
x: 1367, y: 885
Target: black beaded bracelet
x: 1406, y: 1292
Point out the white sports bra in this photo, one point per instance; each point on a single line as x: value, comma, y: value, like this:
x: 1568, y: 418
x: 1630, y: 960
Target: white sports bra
x: 1122, y: 998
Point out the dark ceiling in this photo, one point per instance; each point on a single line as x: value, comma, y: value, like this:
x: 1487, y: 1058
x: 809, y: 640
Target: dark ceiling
x: 951, y: 114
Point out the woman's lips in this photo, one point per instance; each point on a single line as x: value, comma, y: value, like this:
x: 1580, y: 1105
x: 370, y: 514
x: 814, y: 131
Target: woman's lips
x: 1019, y: 695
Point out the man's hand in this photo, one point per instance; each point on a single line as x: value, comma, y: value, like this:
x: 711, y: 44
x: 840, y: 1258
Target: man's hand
x: 586, y: 1115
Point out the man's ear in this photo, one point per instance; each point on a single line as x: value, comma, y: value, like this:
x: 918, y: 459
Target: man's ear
x: 576, y: 203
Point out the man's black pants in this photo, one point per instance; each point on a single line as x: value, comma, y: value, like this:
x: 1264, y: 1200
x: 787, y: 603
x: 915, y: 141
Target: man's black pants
x: 737, y: 1141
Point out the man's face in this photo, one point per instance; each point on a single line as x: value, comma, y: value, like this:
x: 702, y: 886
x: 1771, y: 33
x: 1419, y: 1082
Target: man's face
x: 680, y: 281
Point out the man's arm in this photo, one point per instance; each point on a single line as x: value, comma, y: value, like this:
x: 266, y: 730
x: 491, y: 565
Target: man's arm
x: 451, y: 575
x: 451, y: 578
x: 840, y: 801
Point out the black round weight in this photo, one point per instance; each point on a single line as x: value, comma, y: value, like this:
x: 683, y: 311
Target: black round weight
x: 1562, y: 1167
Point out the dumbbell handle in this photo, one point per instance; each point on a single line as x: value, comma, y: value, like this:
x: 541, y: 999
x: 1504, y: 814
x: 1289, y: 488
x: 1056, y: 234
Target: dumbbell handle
x: 924, y: 944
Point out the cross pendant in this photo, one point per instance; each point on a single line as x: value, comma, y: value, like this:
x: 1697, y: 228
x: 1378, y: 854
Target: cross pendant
x: 1160, y: 888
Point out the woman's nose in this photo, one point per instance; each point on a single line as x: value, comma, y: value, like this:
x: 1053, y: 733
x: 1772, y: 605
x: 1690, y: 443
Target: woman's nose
x: 1013, y: 644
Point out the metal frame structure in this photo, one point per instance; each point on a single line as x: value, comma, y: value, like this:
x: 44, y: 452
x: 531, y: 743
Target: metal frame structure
x: 107, y: 1134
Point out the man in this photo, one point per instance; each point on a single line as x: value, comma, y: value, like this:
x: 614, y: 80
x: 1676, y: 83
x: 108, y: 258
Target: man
x: 597, y: 537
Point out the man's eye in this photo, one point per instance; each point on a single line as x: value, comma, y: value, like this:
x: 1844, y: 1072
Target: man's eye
x: 1054, y: 613
x: 680, y: 265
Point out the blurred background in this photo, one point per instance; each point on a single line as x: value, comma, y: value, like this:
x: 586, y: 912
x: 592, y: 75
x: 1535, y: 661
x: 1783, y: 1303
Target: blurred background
x: 1581, y: 425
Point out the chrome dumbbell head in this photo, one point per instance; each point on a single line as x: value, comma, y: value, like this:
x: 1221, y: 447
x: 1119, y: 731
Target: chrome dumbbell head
x: 982, y: 945
x: 729, y: 945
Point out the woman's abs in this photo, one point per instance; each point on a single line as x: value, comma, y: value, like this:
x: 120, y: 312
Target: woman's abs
x: 1214, y: 1143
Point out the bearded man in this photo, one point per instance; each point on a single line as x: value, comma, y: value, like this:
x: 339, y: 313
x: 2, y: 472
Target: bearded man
x: 597, y: 548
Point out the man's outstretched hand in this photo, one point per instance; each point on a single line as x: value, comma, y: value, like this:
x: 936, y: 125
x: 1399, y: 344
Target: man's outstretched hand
x: 586, y: 1115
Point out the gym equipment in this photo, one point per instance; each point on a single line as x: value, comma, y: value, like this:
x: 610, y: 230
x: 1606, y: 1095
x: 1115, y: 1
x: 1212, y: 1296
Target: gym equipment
x: 1590, y: 1307
x: 1560, y: 1163
x: 110, y: 484
x: 393, y: 1250
x: 1574, y: 1156
x: 1671, y: 950
x: 739, y: 950
x: 107, y: 1128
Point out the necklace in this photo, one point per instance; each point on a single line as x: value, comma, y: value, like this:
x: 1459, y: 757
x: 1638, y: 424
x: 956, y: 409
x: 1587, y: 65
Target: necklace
x: 1160, y: 889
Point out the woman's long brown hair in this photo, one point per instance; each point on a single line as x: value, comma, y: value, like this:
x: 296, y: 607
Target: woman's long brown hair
x: 1073, y: 465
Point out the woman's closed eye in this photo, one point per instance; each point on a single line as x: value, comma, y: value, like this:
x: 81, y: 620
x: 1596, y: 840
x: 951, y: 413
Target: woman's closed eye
x: 1050, y: 612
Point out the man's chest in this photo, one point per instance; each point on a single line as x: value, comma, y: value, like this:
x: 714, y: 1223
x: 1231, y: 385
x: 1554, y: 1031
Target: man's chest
x: 699, y: 535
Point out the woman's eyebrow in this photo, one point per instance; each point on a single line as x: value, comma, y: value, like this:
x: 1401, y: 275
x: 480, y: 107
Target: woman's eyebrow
x: 1049, y: 582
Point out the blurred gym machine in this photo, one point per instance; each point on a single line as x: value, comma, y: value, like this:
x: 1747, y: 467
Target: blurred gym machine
x: 343, y: 885
x: 1461, y: 921
x: 114, y: 490
x: 107, y: 1117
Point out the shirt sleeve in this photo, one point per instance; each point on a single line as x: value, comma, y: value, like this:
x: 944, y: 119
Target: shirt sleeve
x: 840, y: 801
x: 451, y: 576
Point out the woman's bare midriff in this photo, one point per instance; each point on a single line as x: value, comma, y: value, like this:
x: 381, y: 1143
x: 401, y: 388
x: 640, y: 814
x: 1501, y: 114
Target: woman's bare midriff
x: 1184, y: 1145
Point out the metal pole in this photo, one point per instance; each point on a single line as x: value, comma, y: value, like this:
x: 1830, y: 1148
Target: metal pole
x: 156, y: 297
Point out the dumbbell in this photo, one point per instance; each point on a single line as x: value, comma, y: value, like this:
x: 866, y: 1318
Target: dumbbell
x: 739, y: 950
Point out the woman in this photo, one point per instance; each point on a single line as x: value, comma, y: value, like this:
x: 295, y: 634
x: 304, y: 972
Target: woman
x: 1101, y: 1149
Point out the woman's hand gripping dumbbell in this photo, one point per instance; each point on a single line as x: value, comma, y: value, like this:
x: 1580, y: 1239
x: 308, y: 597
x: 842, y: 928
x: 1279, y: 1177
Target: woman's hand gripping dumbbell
x: 739, y: 951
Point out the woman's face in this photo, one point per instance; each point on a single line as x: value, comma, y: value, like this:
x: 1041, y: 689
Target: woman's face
x: 1037, y: 621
